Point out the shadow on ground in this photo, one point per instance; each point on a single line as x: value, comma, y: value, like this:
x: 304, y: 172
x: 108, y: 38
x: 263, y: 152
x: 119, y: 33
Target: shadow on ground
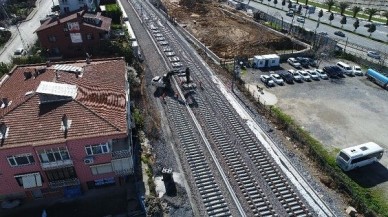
x: 369, y: 176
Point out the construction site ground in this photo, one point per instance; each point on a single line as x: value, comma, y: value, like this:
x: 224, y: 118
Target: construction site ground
x: 225, y: 31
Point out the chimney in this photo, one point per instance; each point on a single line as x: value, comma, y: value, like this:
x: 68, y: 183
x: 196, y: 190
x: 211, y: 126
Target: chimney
x: 4, y: 102
x: 36, y: 73
x: 3, y: 133
x: 65, y: 124
x: 27, y: 75
x: 57, y: 76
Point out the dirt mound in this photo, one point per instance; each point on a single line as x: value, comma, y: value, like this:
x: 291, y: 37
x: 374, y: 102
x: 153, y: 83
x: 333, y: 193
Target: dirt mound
x: 224, y: 31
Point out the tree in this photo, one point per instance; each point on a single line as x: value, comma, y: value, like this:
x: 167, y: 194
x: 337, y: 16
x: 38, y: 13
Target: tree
x: 297, y: 1
x: 275, y: 2
x: 307, y: 1
x: 371, y: 12
x: 330, y: 4
x: 385, y: 14
x: 343, y: 21
x: 283, y: 3
x: 320, y: 14
x: 356, y: 10
x: 356, y: 24
x: 371, y: 29
x: 331, y: 17
x: 289, y: 4
x: 343, y: 6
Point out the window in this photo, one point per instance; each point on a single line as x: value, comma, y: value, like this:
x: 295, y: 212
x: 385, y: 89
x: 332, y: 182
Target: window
x: 344, y: 156
x: 66, y: 9
x: 30, y: 180
x: 20, y: 160
x: 101, y: 169
x: 61, y: 174
x: 89, y: 36
x: 102, y: 148
x: 64, y: 1
x: 53, y: 154
x: 52, y: 38
x: 65, y: 29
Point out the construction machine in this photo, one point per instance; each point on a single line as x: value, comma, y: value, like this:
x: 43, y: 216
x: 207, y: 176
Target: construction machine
x: 165, y: 80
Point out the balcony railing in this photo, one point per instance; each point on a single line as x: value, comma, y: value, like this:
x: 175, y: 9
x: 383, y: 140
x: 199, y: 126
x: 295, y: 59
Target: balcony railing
x: 121, y: 149
x: 64, y: 183
x: 57, y: 164
x: 121, y: 154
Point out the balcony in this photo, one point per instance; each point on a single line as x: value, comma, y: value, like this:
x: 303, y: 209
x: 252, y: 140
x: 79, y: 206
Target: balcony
x: 121, y: 149
x: 64, y: 183
x: 57, y: 164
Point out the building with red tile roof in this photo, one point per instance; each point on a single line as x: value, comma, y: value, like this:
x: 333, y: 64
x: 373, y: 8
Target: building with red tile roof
x: 73, y: 35
x: 64, y: 126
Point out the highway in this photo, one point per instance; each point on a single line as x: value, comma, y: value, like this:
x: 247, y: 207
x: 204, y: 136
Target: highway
x: 381, y: 32
x: 26, y: 28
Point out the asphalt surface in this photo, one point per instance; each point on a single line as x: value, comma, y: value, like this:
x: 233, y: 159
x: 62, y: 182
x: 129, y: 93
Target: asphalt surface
x: 339, y: 113
x: 311, y: 24
x: 27, y: 30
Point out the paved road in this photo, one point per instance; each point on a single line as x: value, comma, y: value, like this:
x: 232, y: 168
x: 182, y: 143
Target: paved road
x: 311, y: 24
x: 27, y: 28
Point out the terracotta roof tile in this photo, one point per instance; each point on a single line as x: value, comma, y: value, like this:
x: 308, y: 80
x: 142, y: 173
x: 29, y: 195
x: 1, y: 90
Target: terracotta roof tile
x: 53, y: 21
x: 99, y: 107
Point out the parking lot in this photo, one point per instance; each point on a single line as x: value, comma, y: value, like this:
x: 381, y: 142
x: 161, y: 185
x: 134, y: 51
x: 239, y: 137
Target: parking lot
x: 339, y: 112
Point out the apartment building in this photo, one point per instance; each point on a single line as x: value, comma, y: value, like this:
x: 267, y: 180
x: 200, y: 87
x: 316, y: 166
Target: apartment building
x: 73, y: 35
x: 63, y: 127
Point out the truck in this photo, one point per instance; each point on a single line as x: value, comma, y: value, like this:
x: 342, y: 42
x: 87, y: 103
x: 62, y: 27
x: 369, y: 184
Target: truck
x: 378, y: 78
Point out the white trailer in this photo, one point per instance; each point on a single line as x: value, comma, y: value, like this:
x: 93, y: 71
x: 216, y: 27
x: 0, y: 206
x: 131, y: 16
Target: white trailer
x: 270, y: 60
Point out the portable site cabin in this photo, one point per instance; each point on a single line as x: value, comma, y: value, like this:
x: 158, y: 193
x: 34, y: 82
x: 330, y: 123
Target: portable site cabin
x: 263, y: 61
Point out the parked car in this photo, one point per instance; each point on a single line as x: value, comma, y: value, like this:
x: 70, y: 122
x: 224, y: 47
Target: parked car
x: 293, y: 62
x: 303, y: 61
x: 304, y: 75
x: 321, y: 74
x: 312, y: 62
x: 323, y: 33
x: 295, y: 75
x: 290, y: 13
x: 357, y: 71
x: 19, y: 52
x: 300, y: 19
x: 275, y: 77
x: 287, y: 77
x: 314, y: 75
x: 373, y: 54
x: 267, y: 80
x: 333, y: 71
x: 339, y: 33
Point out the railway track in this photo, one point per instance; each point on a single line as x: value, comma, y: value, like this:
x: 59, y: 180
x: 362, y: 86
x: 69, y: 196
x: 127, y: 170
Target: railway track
x: 262, y: 184
x: 212, y: 197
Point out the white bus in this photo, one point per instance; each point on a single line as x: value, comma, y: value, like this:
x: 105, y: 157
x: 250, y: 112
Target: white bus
x: 358, y: 156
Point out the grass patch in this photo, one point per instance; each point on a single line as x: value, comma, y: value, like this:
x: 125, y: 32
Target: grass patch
x: 336, y: 9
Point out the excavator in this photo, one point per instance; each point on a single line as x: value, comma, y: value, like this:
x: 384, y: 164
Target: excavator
x: 165, y: 80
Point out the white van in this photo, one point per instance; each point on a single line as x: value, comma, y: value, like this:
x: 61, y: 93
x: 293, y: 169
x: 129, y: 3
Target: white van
x: 358, y: 156
x: 345, y: 68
